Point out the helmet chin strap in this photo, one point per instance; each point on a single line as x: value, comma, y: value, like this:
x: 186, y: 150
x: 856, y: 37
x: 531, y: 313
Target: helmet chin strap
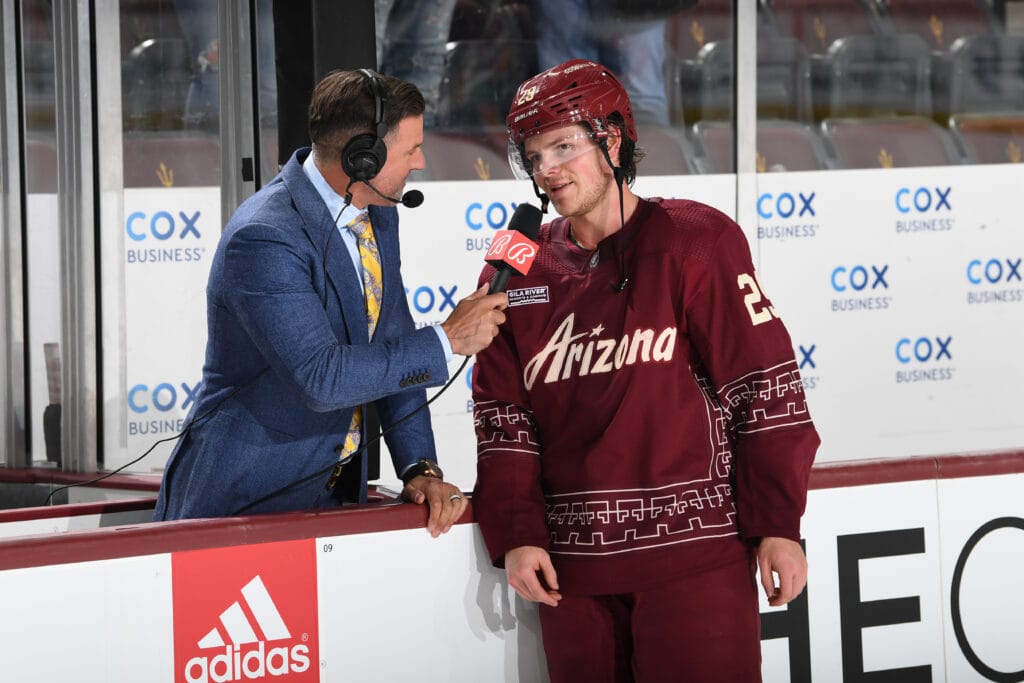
x: 620, y: 179
x: 544, y: 199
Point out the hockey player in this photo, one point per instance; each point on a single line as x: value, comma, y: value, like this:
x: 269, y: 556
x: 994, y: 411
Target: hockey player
x: 644, y: 442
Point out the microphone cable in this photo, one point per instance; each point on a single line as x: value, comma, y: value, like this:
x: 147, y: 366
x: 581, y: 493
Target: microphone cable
x: 362, y: 447
x: 183, y: 432
x: 334, y: 229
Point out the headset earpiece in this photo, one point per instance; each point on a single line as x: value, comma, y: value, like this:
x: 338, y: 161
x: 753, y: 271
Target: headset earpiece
x: 364, y: 155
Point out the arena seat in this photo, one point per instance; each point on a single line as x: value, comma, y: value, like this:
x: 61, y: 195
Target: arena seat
x: 705, y: 22
x: 666, y: 151
x: 876, y: 76
x: 941, y: 22
x: 40, y: 166
x: 860, y: 66
x: 894, y: 142
x: 171, y: 160
x: 781, y: 146
x: 975, y: 66
x: 492, y: 48
x: 155, y: 84
x: 465, y: 156
x: 819, y: 23
x: 994, y: 138
x: 480, y: 80
x: 493, y: 20
x: 783, y: 81
x: 986, y: 73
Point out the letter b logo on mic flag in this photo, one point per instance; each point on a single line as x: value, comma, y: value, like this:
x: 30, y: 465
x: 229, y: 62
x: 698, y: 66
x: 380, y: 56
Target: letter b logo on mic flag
x: 511, y: 252
x: 512, y: 248
x: 523, y: 254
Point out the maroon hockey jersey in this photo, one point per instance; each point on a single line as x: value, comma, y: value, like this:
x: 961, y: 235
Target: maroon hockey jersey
x: 643, y: 434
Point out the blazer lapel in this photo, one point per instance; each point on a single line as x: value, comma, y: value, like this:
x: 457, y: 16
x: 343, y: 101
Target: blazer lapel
x: 319, y: 227
x: 385, y: 231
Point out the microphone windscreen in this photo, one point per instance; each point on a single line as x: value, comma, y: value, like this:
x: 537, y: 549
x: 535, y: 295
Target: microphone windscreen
x: 412, y: 199
x: 526, y: 219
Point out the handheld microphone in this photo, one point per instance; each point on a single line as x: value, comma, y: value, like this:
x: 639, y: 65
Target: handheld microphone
x: 513, y: 250
x: 411, y: 199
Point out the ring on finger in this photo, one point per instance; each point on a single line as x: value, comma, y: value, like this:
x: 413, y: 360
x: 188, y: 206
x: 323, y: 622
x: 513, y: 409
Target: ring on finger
x: 454, y: 497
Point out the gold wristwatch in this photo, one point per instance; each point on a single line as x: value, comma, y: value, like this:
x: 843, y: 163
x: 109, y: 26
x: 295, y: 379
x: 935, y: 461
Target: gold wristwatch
x: 423, y: 468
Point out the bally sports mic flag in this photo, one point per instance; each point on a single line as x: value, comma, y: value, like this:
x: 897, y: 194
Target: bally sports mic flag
x: 512, y: 250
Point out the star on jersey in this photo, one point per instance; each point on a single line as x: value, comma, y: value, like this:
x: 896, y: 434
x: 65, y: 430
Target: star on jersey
x: 596, y: 332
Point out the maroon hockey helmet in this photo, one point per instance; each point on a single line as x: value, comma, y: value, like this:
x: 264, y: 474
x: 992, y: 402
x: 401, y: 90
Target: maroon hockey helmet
x: 577, y: 91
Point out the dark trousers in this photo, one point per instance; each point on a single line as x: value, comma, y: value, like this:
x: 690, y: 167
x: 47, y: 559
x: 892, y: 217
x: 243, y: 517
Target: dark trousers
x: 703, y: 628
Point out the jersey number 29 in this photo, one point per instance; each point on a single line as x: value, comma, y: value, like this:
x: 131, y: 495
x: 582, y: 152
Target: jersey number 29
x: 755, y: 299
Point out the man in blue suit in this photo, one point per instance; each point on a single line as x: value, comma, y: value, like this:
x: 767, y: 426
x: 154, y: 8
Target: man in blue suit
x: 289, y: 356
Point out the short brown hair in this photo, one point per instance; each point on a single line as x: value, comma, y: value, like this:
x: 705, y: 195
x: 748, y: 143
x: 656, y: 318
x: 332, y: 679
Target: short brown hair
x: 629, y: 154
x: 342, y: 107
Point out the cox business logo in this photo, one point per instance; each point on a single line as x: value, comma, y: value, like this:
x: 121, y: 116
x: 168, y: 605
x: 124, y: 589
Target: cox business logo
x: 168, y: 229
x: 790, y: 211
x: 162, y: 225
x: 857, y: 277
x: 926, y: 209
x: 984, y: 274
x: 151, y: 402
x: 162, y: 397
x: 925, y: 359
x: 808, y: 366
x: 853, y: 280
x: 993, y: 271
x: 482, y: 218
x: 428, y: 300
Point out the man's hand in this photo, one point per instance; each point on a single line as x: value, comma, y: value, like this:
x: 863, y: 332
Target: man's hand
x: 474, y: 323
x: 445, y: 501
x: 785, y: 558
x: 522, y: 565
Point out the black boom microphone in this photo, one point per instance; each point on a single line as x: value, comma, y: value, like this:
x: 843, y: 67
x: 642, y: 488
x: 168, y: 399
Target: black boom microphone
x: 411, y: 199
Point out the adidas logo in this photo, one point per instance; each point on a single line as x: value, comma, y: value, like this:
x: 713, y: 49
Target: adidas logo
x: 244, y: 654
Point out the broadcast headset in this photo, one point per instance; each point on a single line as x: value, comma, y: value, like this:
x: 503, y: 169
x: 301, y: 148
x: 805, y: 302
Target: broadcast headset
x: 364, y: 155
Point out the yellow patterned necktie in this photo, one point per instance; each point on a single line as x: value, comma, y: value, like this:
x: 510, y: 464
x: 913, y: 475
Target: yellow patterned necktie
x: 373, y: 292
x: 370, y: 258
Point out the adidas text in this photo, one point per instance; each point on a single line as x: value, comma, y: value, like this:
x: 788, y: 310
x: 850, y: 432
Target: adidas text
x: 257, y: 663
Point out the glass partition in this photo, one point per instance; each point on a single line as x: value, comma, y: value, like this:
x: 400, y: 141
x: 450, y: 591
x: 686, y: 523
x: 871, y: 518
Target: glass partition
x: 469, y: 58
x: 888, y: 84
x: 931, y: 83
x: 13, y: 429
x: 841, y: 85
x: 42, y: 238
x: 160, y: 207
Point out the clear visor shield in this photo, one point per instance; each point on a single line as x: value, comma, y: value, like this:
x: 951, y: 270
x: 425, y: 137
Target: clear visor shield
x: 544, y: 152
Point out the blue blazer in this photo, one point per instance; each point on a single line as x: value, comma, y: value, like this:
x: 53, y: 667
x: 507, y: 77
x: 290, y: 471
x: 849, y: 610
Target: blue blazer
x: 288, y: 359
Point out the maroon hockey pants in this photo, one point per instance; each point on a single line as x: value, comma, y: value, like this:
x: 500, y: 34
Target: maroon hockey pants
x: 704, y: 628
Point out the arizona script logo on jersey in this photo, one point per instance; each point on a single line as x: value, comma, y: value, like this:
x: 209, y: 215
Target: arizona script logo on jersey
x: 567, y: 354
